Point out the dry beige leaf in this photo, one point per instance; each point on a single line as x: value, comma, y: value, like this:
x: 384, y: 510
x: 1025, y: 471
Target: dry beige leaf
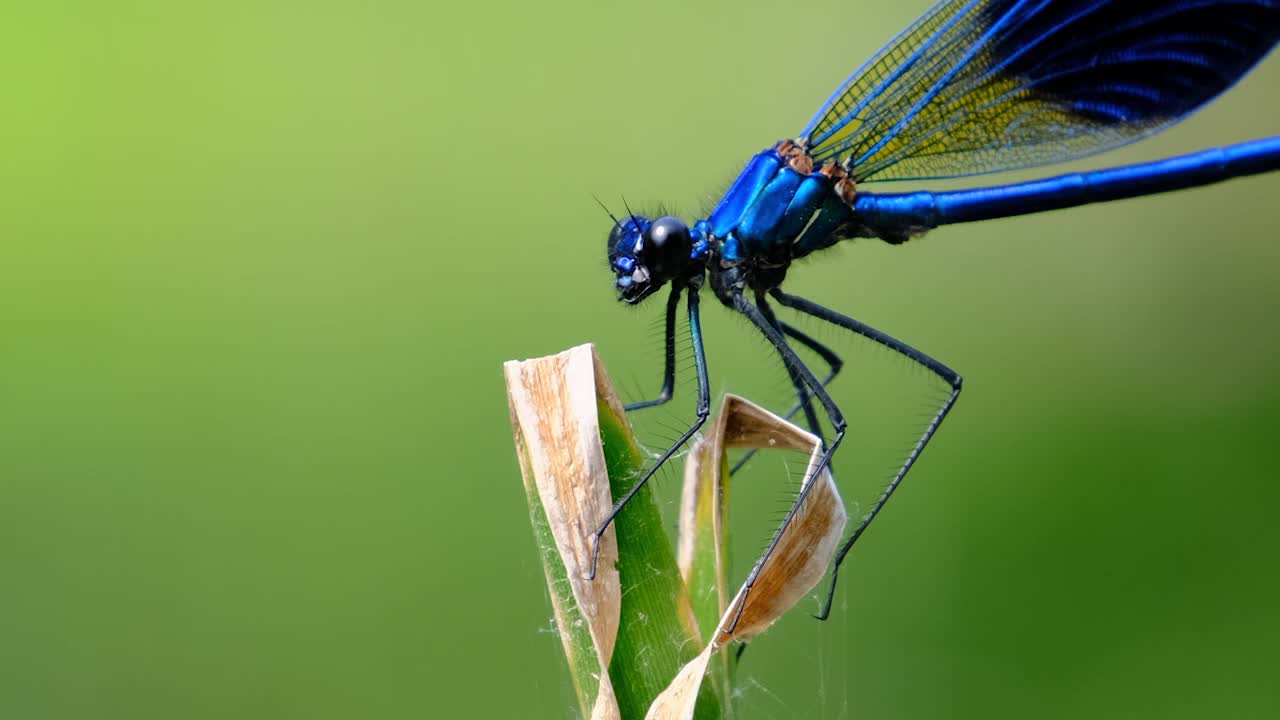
x: 805, y: 547
x: 554, y: 403
x: 557, y: 435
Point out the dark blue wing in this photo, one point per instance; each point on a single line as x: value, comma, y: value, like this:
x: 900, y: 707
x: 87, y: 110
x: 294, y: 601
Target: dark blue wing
x: 977, y: 86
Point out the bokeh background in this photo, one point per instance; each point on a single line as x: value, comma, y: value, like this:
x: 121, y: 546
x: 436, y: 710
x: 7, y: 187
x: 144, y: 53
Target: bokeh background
x: 260, y: 264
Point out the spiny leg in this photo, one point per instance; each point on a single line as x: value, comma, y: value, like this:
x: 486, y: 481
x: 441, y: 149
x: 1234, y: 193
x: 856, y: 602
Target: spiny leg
x: 703, y: 410
x: 669, y: 362
x: 834, y: 361
x: 834, y: 415
x: 796, y: 381
x: 834, y: 364
x: 951, y: 377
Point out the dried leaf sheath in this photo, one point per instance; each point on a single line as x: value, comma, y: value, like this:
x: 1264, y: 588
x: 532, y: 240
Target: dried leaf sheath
x: 631, y: 634
x: 804, y: 550
x: 564, y: 403
x: 557, y: 438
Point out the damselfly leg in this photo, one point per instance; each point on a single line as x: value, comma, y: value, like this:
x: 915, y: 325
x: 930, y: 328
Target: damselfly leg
x: 669, y: 359
x: 834, y: 364
x: 951, y: 377
x: 836, y: 418
x: 797, y: 381
x: 703, y: 410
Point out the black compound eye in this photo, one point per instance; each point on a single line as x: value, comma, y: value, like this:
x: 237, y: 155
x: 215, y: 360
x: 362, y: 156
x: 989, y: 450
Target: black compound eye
x: 667, y: 244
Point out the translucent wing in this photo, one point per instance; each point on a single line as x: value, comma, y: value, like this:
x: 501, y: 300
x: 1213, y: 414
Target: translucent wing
x: 978, y: 86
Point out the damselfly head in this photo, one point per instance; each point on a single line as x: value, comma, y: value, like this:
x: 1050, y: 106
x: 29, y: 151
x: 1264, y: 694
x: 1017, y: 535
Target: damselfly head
x: 647, y: 254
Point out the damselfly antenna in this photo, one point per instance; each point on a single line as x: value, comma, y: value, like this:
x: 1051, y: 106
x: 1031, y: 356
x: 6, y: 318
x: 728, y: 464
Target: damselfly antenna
x: 628, y: 209
x: 604, y: 208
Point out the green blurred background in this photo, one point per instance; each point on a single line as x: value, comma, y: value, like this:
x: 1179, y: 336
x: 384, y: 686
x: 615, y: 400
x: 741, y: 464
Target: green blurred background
x: 260, y: 265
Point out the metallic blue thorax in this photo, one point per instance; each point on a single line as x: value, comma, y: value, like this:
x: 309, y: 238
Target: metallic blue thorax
x: 775, y: 211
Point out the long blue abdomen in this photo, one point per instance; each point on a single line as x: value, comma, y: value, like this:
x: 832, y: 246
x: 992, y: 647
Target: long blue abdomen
x: 894, y: 216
